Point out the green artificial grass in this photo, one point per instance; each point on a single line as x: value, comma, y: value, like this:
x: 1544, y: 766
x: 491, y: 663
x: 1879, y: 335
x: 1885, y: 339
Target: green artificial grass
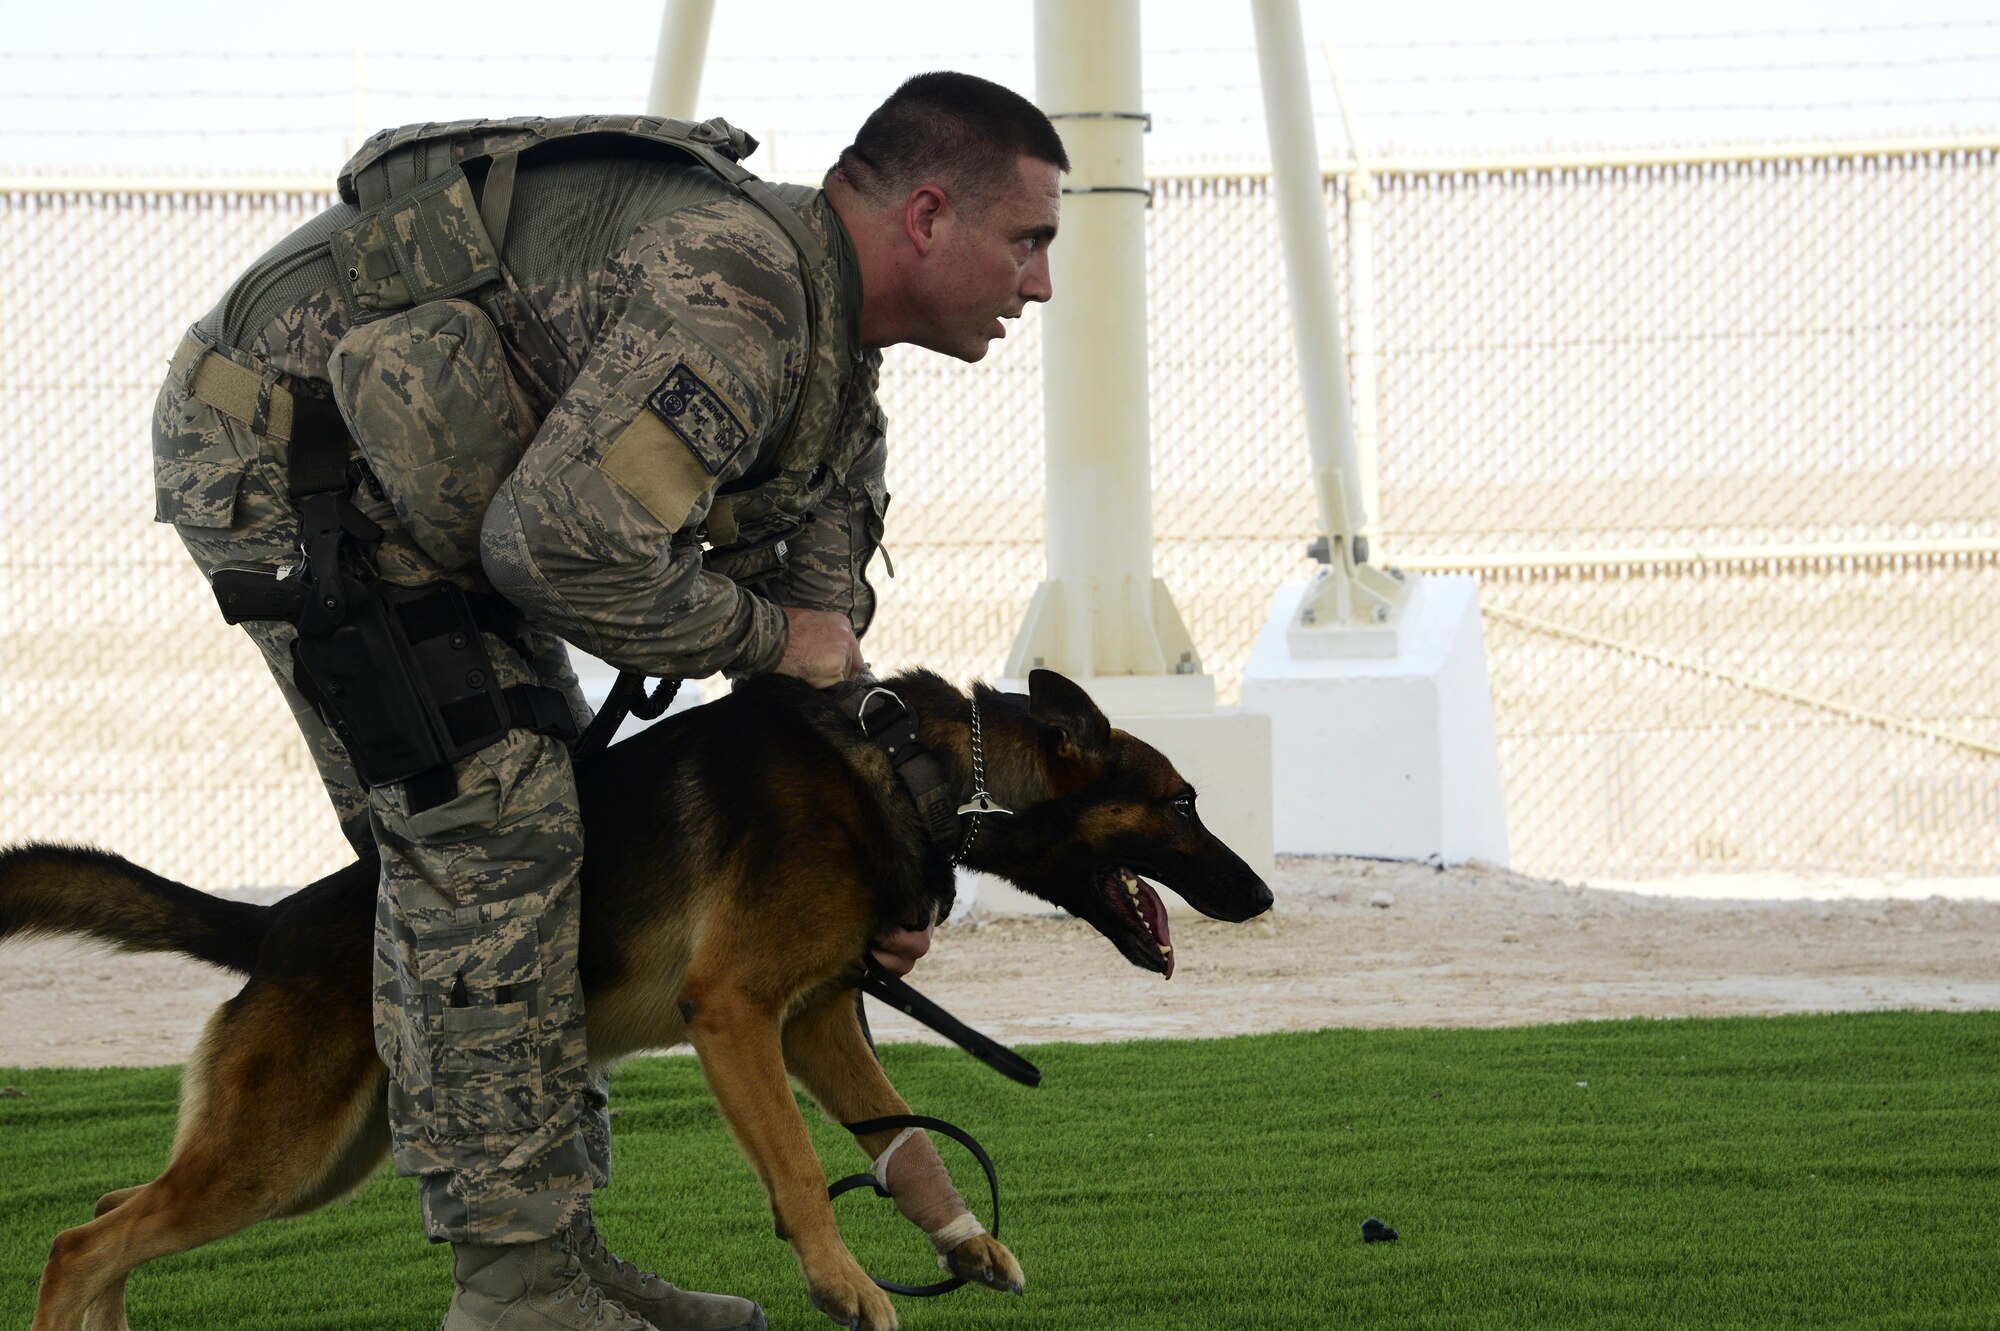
x: 1815, y: 1172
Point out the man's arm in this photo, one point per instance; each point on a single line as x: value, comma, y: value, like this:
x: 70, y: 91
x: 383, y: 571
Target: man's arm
x: 829, y: 560
x: 595, y: 533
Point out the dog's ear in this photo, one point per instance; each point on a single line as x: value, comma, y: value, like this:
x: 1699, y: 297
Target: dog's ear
x: 1055, y: 700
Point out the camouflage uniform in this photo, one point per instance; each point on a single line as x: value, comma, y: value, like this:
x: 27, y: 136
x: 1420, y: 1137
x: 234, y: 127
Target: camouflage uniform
x: 652, y: 326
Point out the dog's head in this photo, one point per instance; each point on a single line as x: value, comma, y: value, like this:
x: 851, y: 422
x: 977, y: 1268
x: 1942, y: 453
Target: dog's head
x: 1099, y: 813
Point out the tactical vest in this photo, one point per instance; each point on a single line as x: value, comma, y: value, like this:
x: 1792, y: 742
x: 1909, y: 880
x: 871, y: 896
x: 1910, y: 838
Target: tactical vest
x: 435, y: 200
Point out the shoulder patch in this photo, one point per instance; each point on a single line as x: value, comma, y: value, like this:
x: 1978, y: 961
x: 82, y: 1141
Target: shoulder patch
x: 687, y: 405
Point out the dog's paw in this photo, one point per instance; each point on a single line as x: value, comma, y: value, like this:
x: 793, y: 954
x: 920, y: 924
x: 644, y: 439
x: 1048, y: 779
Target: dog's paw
x: 852, y: 1300
x: 985, y: 1260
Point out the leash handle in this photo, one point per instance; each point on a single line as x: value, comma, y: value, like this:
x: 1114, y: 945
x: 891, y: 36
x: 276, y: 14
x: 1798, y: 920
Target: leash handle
x: 866, y: 1180
x: 628, y: 695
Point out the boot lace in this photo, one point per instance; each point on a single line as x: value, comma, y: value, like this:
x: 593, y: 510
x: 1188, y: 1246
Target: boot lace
x: 590, y: 1246
x: 592, y: 1301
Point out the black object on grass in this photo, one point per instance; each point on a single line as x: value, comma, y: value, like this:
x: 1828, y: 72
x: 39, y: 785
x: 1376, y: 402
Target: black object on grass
x: 1374, y: 1231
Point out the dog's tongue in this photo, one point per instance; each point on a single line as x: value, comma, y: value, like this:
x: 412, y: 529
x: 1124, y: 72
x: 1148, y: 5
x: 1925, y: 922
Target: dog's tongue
x: 1156, y: 919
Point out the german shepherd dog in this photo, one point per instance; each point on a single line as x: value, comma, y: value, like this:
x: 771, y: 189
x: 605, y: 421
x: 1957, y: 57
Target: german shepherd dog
x: 740, y: 857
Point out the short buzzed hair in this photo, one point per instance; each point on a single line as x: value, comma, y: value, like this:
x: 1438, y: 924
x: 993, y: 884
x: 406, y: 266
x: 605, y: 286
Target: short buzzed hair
x: 957, y: 129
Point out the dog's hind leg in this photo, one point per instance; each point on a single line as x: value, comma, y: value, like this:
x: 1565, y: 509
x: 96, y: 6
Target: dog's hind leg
x: 279, y: 1090
x: 828, y: 1052
x: 107, y: 1313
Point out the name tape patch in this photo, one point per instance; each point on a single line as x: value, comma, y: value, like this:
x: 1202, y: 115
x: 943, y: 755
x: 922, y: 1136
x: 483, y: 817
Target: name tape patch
x: 691, y: 409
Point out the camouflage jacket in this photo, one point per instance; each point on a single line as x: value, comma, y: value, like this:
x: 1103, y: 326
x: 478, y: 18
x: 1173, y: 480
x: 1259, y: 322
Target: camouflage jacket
x: 686, y: 471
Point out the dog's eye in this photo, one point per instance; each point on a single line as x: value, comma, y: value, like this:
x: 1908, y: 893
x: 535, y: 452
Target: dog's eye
x: 1184, y: 806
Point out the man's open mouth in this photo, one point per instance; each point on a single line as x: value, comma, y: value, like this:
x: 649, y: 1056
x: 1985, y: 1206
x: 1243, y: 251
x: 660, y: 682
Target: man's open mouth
x: 1136, y: 904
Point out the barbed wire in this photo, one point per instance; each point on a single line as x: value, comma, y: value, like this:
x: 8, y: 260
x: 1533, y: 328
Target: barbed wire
x: 172, y: 131
x: 1330, y: 115
x: 883, y: 57
x: 179, y: 95
x: 1859, y: 104
x: 1668, y: 71
x: 1610, y: 39
x: 515, y: 57
x: 766, y: 95
x: 1323, y: 116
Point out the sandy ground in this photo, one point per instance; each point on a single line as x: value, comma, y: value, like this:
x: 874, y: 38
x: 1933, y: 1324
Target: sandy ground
x: 1470, y: 946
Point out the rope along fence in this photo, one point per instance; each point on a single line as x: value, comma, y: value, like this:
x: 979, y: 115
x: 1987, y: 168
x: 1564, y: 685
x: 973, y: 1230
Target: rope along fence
x: 1721, y: 439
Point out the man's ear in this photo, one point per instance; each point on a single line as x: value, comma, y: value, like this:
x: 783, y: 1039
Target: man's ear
x: 921, y: 212
x: 1055, y: 700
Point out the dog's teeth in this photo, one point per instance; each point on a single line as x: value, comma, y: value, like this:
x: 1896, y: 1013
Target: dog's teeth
x: 1129, y: 877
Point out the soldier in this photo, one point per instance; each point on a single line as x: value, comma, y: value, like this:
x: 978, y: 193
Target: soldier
x: 580, y: 380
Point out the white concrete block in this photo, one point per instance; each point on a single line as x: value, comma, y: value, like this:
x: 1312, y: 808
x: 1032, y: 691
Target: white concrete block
x: 1395, y: 758
x: 1225, y: 754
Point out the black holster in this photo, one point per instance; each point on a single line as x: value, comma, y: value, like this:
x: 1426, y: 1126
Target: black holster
x: 400, y: 674
x: 404, y: 680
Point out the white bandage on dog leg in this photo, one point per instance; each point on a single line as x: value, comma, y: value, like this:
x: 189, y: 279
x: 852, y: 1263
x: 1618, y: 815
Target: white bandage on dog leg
x: 882, y: 1160
x: 955, y: 1233
x: 923, y: 1191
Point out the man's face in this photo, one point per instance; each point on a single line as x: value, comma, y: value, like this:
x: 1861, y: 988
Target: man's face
x: 987, y: 263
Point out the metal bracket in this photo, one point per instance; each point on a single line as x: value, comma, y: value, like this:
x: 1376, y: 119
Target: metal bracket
x: 1146, y: 116
x: 1113, y: 189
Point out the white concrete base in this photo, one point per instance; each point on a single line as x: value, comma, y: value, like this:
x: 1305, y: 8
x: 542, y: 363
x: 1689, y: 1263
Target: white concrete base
x: 1394, y: 758
x: 1224, y: 753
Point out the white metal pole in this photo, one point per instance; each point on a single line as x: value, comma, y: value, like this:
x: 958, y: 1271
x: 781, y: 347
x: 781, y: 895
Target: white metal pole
x: 1298, y: 184
x: 1099, y: 507
x: 1350, y: 593
x: 677, y: 66
x: 1361, y: 194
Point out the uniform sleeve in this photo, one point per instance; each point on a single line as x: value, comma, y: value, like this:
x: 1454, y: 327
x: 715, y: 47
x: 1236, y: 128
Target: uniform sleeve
x: 829, y: 561
x: 594, y: 534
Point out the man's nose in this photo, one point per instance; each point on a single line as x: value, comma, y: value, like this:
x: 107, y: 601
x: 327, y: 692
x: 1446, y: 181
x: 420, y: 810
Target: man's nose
x: 1036, y: 283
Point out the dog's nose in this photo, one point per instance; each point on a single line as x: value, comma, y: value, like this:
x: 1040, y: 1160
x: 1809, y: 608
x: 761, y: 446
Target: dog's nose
x: 1249, y: 900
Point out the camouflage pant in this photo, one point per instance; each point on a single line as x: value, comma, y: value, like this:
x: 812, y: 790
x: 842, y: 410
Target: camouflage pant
x: 478, y: 1006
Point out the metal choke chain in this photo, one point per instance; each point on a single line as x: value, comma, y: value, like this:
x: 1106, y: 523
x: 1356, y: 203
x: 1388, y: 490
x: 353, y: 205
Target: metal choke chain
x: 980, y: 795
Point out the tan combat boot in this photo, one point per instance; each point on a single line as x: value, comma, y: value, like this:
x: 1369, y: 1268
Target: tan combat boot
x: 536, y: 1286
x: 663, y: 1305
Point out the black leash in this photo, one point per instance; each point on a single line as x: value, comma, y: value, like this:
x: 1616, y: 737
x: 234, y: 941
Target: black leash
x: 897, y: 993
x: 868, y: 1180
x: 628, y: 695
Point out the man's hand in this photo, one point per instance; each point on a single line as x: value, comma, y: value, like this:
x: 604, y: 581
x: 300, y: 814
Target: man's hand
x: 822, y: 649
x: 899, y: 951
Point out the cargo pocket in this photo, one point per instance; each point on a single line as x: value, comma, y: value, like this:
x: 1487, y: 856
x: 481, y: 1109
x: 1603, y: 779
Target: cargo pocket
x: 198, y: 463
x: 439, y: 417
x: 481, y: 990
x: 190, y: 492
x: 473, y: 811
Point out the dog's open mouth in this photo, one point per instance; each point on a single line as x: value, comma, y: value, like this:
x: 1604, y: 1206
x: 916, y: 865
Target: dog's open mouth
x: 1134, y: 902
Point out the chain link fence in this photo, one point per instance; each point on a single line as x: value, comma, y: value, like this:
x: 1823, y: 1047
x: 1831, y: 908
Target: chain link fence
x: 1721, y: 439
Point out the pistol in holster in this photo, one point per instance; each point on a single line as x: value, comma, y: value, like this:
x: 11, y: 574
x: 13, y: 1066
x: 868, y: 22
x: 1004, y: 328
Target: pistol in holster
x: 400, y: 674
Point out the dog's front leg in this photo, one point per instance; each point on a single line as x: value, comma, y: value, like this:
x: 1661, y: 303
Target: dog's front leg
x: 829, y: 1054
x: 737, y: 1039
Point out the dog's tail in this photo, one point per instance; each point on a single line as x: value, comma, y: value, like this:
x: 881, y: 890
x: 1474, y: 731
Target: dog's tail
x: 51, y: 889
